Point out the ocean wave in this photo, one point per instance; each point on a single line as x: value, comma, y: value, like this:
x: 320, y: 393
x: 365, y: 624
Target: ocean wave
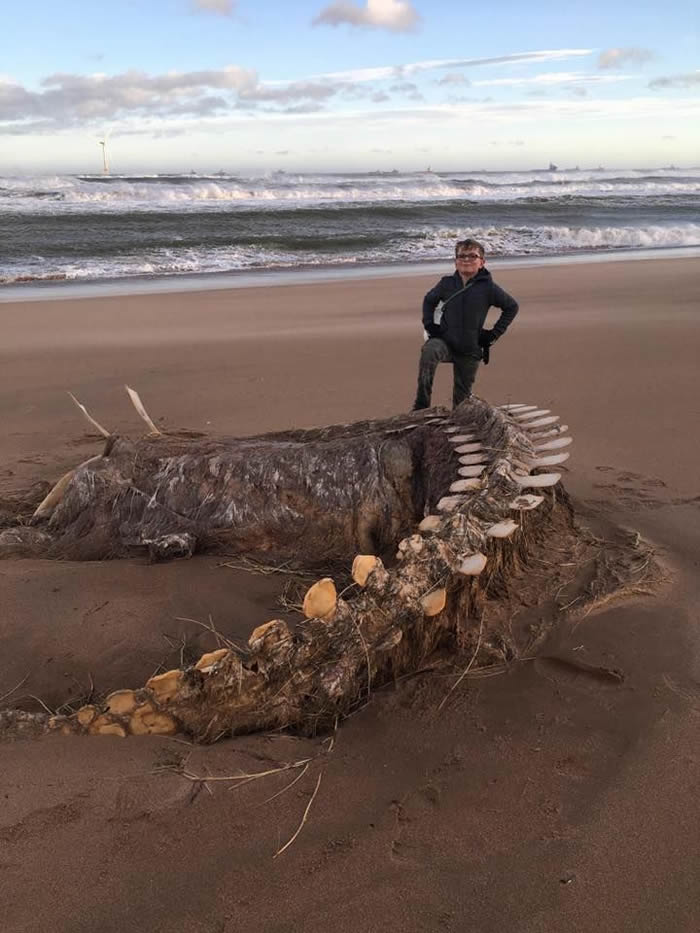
x: 298, y: 251
x: 224, y: 192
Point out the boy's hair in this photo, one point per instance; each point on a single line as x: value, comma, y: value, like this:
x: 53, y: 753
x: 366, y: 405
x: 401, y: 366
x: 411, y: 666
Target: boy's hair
x: 474, y: 244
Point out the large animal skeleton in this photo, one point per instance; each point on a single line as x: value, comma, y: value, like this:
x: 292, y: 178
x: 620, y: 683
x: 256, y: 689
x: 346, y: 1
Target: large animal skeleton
x: 427, y: 508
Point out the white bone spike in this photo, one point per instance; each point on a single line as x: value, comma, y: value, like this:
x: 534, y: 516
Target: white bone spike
x: 138, y: 405
x: 555, y: 444
x: 449, y: 503
x: 471, y: 459
x: 430, y: 523
x: 103, y: 431
x: 473, y: 565
x: 435, y: 421
x: 518, y: 407
x: 468, y: 448
x: 537, y: 482
x: 55, y: 495
x: 453, y: 429
x: 472, y: 470
x: 526, y: 502
x: 550, y: 460
x: 461, y: 438
x: 531, y: 414
x: 502, y: 529
x: 465, y: 485
x: 540, y: 422
x: 550, y: 432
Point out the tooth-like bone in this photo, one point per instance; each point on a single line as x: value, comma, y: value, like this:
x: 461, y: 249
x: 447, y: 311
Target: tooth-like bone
x: 473, y: 565
x: 540, y: 422
x: 471, y: 459
x: 138, y: 405
x: 468, y: 448
x: 208, y: 660
x: 362, y: 567
x: 461, y: 438
x: 555, y: 444
x: 430, y: 523
x: 165, y: 686
x: 531, y: 414
x: 536, y: 482
x: 550, y: 460
x: 472, y: 470
x: 449, y: 503
x: 464, y: 485
x: 103, y: 431
x: 502, y: 529
x: 550, y: 432
x: 526, y: 502
x: 433, y: 603
x: 320, y: 600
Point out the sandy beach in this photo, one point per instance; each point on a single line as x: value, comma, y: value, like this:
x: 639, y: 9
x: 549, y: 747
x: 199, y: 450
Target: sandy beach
x: 535, y: 801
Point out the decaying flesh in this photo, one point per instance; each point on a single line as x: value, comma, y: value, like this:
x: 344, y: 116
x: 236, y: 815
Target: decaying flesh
x: 423, y: 506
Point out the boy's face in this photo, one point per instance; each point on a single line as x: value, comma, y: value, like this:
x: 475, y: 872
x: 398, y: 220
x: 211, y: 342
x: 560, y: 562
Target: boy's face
x: 468, y: 261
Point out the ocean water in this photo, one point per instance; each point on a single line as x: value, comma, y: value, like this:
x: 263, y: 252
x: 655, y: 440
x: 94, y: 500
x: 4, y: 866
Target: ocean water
x: 95, y: 227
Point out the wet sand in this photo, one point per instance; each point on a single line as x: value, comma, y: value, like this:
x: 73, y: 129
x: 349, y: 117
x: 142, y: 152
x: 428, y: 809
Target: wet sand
x: 537, y: 800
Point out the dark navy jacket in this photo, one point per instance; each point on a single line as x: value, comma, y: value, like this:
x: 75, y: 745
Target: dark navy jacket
x: 464, y: 316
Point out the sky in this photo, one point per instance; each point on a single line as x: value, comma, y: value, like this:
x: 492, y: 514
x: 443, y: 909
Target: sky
x: 347, y: 85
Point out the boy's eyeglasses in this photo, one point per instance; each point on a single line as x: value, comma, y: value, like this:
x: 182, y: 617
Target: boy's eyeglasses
x: 468, y: 256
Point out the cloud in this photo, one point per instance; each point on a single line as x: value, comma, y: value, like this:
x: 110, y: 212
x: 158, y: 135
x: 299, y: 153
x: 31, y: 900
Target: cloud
x: 392, y: 72
x: 550, y: 78
x: 690, y: 79
x: 615, y: 58
x: 394, y: 15
x: 221, y: 7
x: 453, y: 77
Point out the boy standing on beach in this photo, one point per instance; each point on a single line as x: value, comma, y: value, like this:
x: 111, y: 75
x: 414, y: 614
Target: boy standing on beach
x: 460, y: 338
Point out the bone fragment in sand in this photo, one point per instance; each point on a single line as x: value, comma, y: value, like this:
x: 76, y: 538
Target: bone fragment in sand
x: 320, y: 600
x: 165, y: 686
x: 502, y: 529
x: 208, y: 660
x: 555, y: 444
x: 433, y: 603
x: 465, y: 485
x: 550, y: 460
x: 526, y: 502
x: 103, y: 431
x: 537, y: 482
x: 430, y: 523
x: 472, y: 565
x: 475, y: 470
x: 362, y: 567
x: 528, y: 416
x: 49, y: 503
x: 138, y: 405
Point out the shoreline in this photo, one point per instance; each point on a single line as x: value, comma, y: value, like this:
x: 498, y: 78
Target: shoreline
x: 261, y: 278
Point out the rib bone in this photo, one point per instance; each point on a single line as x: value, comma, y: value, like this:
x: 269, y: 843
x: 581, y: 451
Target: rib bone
x: 103, y: 431
x: 138, y: 405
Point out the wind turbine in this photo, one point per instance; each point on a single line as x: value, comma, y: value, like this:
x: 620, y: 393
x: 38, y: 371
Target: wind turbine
x: 105, y: 160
